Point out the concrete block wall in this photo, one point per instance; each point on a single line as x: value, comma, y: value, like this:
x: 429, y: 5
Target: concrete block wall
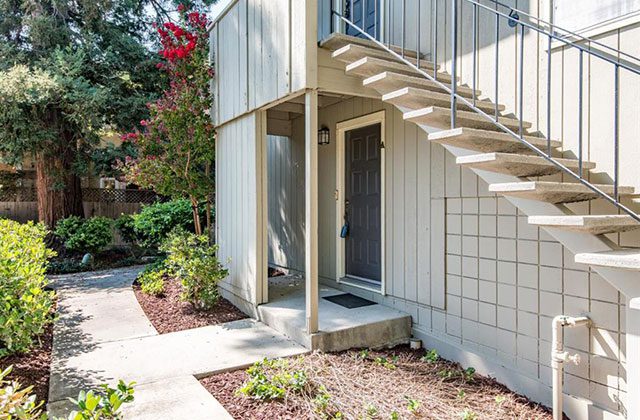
x: 506, y: 280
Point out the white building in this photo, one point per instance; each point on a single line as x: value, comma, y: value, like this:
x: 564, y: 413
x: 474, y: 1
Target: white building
x: 481, y: 240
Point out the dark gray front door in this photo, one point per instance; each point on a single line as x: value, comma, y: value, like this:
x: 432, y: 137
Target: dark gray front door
x: 363, y: 203
x: 371, y: 17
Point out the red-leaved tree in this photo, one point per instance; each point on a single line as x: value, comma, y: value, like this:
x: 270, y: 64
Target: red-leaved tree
x: 177, y: 145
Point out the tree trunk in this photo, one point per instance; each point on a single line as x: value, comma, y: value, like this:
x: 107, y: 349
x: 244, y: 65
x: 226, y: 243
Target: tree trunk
x: 196, y: 216
x: 58, y: 187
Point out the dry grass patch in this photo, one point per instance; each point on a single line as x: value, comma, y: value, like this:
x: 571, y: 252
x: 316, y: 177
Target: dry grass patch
x: 388, y: 384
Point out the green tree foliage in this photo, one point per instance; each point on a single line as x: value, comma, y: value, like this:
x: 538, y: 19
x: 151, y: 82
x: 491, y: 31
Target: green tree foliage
x: 69, y: 70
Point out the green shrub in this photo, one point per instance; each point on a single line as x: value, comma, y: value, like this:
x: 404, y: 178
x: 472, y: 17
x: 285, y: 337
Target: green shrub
x: 154, y: 223
x: 152, y: 282
x: 88, y: 235
x: 194, y: 261
x: 25, y: 306
x: 272, y: 379
x: 102, y: 404
x: 17, y: 402
x: 126, y: 226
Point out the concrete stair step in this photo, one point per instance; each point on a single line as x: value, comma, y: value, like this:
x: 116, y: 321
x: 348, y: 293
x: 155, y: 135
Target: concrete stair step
x: 353, y: 52
x: 390, y: 81
x: 594, y: 224
x: 414, y: 98
x: 370, y: 66
x: 554, y: 192
x: 517, y: 164
x: 440, y: 117
x: 490, y: 141
x: 337, y: 40
x: 623, y: 259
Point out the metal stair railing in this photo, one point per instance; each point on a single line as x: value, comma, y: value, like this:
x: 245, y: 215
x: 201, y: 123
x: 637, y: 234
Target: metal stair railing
x: 512, y: 19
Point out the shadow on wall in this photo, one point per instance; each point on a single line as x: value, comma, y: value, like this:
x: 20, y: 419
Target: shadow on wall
x: 285, y: 175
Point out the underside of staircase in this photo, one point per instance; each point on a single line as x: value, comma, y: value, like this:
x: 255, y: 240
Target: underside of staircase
x: 529, y: 181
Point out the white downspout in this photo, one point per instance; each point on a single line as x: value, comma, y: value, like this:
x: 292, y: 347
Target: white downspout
x: 559, y: 356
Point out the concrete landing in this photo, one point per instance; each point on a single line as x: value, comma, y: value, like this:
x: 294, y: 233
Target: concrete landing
x: 340, y: 328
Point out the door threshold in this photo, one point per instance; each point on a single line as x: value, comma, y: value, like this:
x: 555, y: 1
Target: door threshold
x: 361, y: 283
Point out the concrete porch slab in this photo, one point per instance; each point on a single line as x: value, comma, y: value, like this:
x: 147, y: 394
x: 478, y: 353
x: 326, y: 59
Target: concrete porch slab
x: 340, y: 328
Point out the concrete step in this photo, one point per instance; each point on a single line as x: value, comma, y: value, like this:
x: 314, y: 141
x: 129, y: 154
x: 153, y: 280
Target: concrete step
x: 517, y: 164
x: 390, y: 81
x: 489, y: 141
x: 596, y: 224
x: 623, y: 259
x: 353, y: 52
x: 439, y: 117
x: 340, y: 328
x: 370, y: 66
x: 336, y: 41
x: 553, y: 192
x: 413, y: 98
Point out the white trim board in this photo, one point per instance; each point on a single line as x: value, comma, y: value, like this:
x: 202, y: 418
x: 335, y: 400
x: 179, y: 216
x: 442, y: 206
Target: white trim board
x: 341, y: 130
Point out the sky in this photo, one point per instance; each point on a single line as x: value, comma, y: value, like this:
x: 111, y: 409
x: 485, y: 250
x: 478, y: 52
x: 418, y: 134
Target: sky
x: 217, y: 7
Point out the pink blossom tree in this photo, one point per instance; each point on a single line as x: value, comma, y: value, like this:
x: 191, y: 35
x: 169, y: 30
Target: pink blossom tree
x: 177, y: 144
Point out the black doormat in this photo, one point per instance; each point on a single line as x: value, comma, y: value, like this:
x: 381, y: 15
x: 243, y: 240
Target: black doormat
x: 349, y: 301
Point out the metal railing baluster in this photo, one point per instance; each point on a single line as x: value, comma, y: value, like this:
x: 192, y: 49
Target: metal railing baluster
x: 580, y: 99
x: 497, y: 60
x: 434, y: 19
x: 616, y: 134
x: 418, y: 36
x: 363, y: 6
x: 549, y: 98
x: 475, y: 51
x: 521, y: 94
x: 404, y: 28
x: 454, y: 60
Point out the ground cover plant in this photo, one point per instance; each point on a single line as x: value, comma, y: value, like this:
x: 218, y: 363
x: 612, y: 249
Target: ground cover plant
x: 388, y: 384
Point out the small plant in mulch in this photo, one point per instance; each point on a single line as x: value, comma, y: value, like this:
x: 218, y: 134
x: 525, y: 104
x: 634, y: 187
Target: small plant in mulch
x: 273, y: 379
x: 431, y: 356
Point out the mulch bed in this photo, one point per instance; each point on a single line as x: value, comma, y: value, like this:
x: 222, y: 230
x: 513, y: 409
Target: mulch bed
x: 34, y: 367
x: 361, y: 385
x: 169, y: 314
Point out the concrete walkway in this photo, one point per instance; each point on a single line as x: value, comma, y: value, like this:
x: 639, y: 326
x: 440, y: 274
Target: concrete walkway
x: 103, y: 335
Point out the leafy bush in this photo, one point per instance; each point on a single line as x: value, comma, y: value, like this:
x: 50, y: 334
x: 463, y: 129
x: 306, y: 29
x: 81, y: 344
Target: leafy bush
x: 104, y: 403
x: 194, y: 261
x: 17, y: 402
x: 88, y: 235
x: 154, y: 223
x: 25, y: 306
x: 152, y: 282
x: 126, y: 226
x: 150, y: 228
x: 272, y: 379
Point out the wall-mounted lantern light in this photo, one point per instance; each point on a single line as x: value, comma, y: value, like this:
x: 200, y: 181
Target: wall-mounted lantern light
x: 324, y: 136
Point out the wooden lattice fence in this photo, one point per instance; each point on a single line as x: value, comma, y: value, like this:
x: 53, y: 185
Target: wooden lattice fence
x: 20, y: 203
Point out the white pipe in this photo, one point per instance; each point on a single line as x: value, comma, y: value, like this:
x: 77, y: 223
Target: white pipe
x: 559, y: 356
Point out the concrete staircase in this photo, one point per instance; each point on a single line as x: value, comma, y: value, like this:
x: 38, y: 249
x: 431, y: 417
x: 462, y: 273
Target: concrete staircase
x: 511, y: 169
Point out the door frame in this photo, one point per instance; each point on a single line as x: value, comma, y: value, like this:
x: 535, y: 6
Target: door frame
x: 341, y: 130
